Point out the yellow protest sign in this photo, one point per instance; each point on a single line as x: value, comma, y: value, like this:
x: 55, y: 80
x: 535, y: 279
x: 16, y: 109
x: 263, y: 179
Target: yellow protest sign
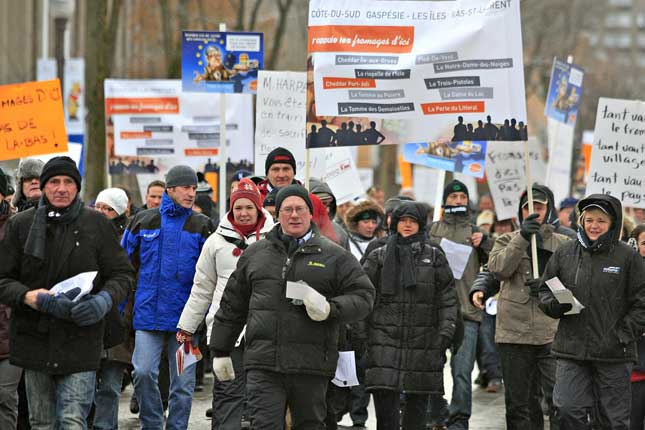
x: 32, y: 120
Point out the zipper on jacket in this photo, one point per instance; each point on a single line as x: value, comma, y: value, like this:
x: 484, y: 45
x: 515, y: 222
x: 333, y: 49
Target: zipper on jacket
x: 575, y: 281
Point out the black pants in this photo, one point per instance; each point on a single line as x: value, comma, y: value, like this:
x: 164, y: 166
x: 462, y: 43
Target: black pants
x: 638, y: 406
x: 269, y: 393
x: 520, y: 363
x: 588, y: 391
x: 388, y: 415
x: 229, y: 397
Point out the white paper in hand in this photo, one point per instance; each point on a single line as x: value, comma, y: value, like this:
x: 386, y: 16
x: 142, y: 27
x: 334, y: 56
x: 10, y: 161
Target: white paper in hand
x: 187, y: 359
x: 564, y: 295
x: 457, y: 256
x: 299, y: 290
x: 345, y: 370
x: 82, y: 280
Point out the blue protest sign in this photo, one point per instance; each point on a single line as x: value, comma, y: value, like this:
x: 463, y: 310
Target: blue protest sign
x: 221, y: 62
x: 565, y: 89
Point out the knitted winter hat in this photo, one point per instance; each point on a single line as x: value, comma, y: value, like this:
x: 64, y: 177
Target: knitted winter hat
x: 279, y: 155
x: 60, y: 166
x: 293, y: 190
x: 248, y: 190
x: 114, y: 198
x: 454, y: 186
x: 181, y: 176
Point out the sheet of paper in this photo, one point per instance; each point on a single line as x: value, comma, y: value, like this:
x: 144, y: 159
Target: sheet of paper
x: 345, y: 370
x: 187, y: 359
x: 82, y: 280
x: 457, y: 256
x: 300, y: 290
x: 564, y: 295
x: 491, y: 306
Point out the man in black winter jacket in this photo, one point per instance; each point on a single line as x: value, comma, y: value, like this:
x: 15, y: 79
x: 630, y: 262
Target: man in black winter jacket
x: 291, y: 350
x: 595, y: 347
x: 59, y: 342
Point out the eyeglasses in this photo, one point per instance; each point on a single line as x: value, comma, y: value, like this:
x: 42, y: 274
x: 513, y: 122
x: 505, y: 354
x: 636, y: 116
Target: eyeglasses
x: 103, y: 208
x: 299, y: 210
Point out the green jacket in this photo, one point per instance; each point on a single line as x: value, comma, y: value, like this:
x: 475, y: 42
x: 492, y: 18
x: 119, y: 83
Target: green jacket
x: 519, y: 319
x: 459, y: 229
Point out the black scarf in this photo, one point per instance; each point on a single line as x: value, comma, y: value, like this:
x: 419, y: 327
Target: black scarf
x: 604, y: 241
x: 46, y: 213
x: 291, y: 243
x: 398, y: 264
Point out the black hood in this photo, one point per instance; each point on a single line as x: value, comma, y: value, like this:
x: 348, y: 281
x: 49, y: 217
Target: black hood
x: 317, y: 186
x: 613, y: 205
x: 551, y: 216
x: 412, y: 209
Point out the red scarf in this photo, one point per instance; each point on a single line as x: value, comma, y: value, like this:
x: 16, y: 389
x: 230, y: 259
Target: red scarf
x: 245, y: 230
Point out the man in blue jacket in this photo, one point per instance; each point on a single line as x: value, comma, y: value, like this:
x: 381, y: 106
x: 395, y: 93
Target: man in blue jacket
x: 164, y: 244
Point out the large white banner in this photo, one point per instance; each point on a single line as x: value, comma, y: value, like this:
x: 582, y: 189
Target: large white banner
x: 152, y: 126
x: 558, y: 172
x: 618, y: 154
x: 422, y: 64
x: 280, y: 121
x: 506, y: 175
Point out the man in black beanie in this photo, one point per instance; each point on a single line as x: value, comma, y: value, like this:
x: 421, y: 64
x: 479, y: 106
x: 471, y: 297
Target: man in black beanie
x: 291, y: 350
x: 456, y: 226
x: 58, y: 341
x: 280, y: 169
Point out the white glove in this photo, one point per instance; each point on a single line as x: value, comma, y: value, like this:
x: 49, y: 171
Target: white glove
x: 317, y: 311
x: 223, y: 368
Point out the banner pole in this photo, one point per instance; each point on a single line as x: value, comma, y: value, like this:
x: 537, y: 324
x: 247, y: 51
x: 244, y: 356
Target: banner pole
x: 529, y: 194
x: 307, y: 168
x: 223, y: 156
x: 438, y: 199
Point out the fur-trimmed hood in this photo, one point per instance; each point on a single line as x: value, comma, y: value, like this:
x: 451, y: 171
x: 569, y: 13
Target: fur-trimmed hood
x: 363, y: 206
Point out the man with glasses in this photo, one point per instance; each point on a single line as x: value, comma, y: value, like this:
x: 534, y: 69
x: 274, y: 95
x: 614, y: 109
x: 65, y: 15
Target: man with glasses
x: 291, y: 345
x: 113, y: 203
x: 164, y: 244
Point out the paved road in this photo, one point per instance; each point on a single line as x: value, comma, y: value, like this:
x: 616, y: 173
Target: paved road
x: 488, y: 409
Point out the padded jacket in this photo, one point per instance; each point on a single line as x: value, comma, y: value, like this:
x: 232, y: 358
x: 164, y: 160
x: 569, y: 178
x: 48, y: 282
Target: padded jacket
x: 406, y: 351
x: 280, y: 336
x: 164, y: 244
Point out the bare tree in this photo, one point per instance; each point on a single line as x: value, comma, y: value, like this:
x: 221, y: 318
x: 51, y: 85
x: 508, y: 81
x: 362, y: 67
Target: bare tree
x: 172, y: 35
x: 102, y: 19
x: 283, y: 8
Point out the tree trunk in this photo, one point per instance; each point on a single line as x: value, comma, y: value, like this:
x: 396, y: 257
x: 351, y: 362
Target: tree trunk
x: 386, y: 171
x: 101, y: 36
x: 283, y: 6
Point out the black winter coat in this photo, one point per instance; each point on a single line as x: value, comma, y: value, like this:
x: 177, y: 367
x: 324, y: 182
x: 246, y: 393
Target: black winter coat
x: 38, y: 340
x: 280, y: 336
x: 406, y: 349
x: 610, y: 284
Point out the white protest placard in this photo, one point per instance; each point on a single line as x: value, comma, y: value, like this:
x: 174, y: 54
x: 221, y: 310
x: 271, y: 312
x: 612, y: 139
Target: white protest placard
x: 506, y: 174
x: 618, y: 154
x: 280, y: 117
x: 280, y: 122
x: 420, y: 65
x: 558, y: 170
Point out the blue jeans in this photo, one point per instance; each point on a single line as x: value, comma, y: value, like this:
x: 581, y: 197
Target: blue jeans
x: 145, y: 359
x: 108, y: 391
x: 59, y: 401
x: 462, y: 364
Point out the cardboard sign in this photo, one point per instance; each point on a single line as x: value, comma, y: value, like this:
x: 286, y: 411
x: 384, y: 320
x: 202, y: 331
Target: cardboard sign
x: 32, y: 120
x: 618, y: 154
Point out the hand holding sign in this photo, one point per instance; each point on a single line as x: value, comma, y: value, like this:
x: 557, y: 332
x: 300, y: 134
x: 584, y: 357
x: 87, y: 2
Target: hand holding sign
x: 32, y: 120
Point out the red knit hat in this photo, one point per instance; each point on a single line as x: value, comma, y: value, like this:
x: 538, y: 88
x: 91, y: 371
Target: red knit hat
x: 248, y: 190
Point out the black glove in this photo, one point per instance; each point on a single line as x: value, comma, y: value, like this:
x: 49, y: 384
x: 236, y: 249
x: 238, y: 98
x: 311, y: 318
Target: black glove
x: 92, y: 309
x: 530, y: 226
x: 446, y: 342
x: 534, y: 285
x: 559, y: 309
x: 57, y: 306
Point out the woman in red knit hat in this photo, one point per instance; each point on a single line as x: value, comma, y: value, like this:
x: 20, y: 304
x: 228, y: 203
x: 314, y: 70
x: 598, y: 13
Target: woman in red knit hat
x: 246, y: 223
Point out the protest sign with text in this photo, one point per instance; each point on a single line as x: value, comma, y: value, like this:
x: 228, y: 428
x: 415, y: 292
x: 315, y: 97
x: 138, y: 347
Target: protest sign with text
x: 506, y: 175
x: 618, y: 152
x: 32, y: 120
x: 393, y: 72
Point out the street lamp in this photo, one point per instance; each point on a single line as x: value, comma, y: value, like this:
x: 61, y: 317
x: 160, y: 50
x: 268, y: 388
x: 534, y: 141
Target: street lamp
x: 61, y: 11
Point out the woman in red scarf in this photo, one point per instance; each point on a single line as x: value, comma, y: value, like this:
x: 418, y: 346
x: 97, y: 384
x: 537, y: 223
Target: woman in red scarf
x: 246, y: 223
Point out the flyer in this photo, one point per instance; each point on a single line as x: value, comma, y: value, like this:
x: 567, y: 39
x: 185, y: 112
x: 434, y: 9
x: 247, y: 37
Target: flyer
x: 221, y: 62
x: 394, y: 72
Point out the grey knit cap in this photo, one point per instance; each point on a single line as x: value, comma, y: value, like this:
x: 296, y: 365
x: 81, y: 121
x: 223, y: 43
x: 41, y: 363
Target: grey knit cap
x: 179, y: 176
